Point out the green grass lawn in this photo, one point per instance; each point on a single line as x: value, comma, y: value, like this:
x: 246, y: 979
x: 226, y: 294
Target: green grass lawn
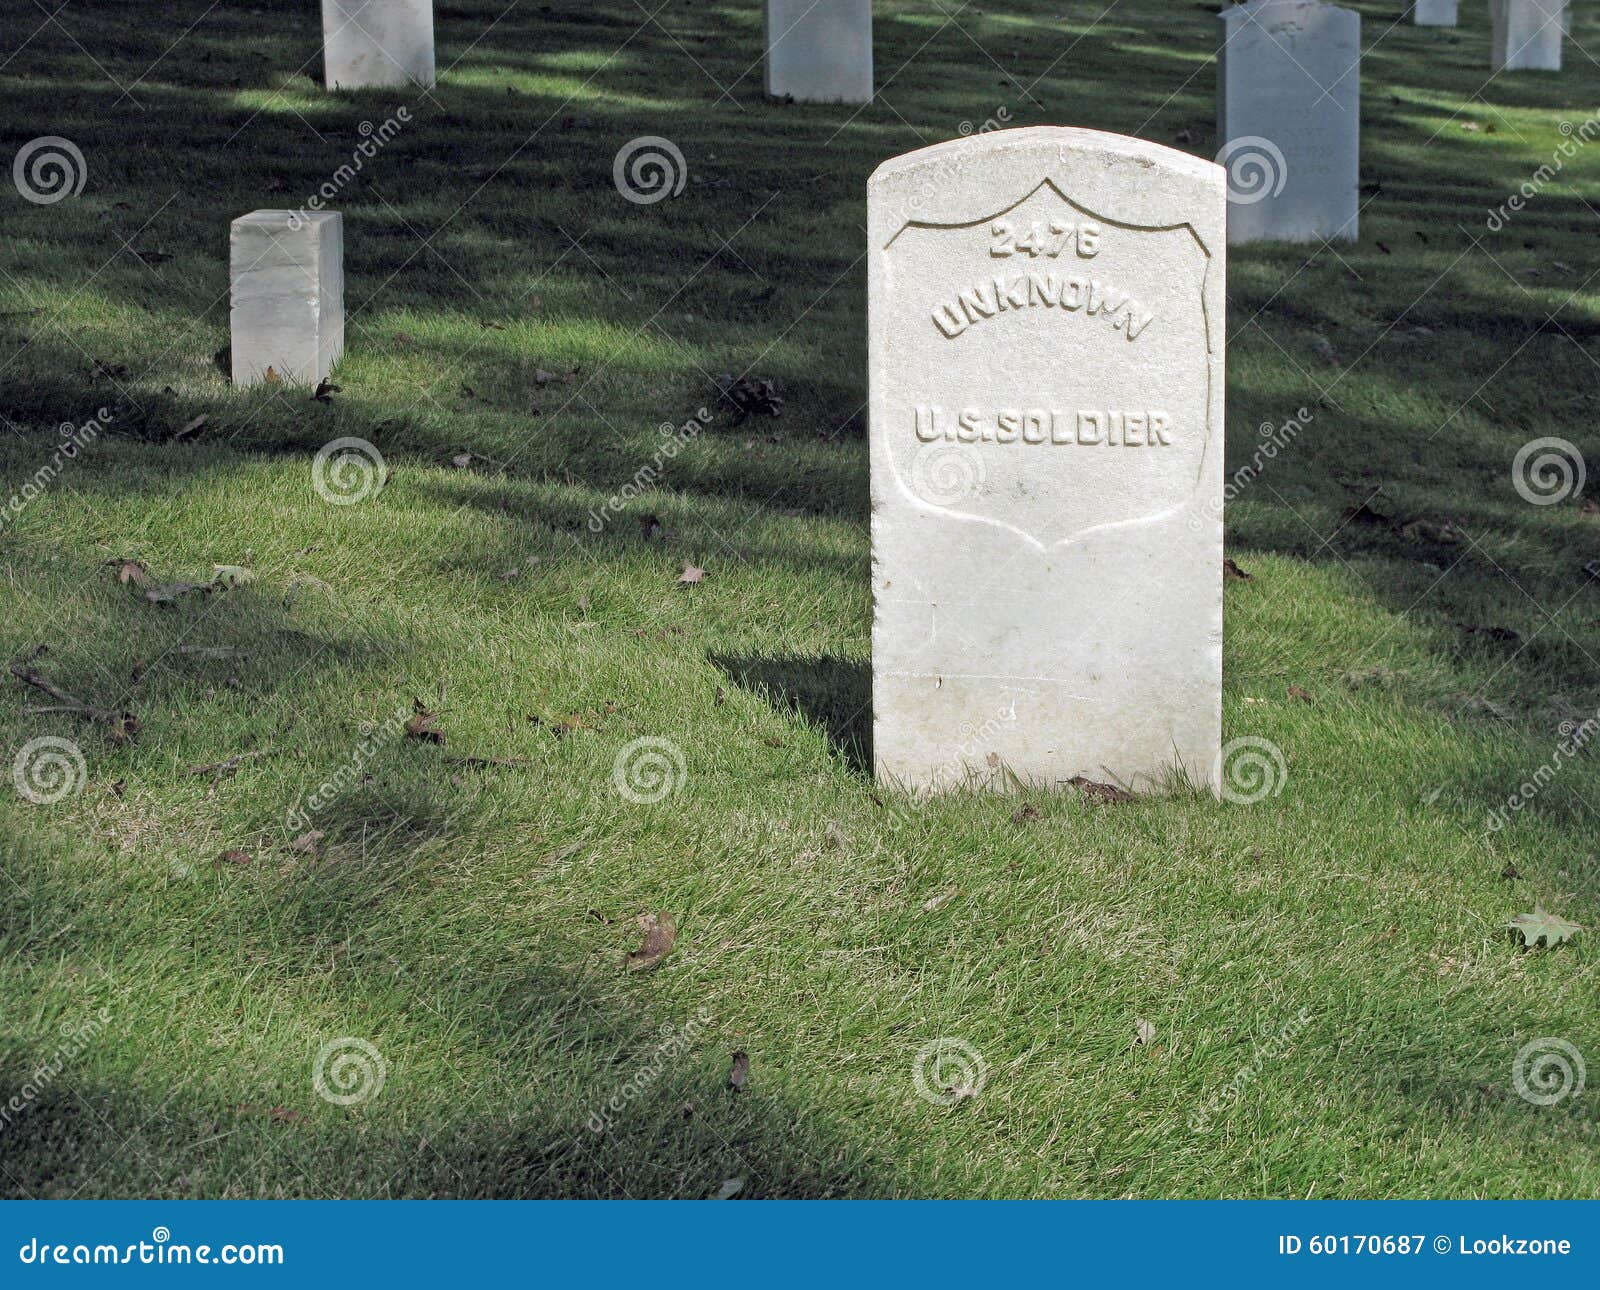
x: 1336, y: 1006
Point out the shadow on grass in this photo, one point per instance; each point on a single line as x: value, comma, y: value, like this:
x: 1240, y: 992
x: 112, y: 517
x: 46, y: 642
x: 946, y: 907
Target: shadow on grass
x: 651, y: 1123
x: 831, y: 692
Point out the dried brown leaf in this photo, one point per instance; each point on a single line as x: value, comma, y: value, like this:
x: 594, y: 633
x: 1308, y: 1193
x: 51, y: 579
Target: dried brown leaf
x: 660, y: 935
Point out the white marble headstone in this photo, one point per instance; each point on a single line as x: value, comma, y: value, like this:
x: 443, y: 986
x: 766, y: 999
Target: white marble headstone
x: 1289, y: 120
x: 382, y: 43
x: 1434, y: 13
x: 819, y: 51
x: 1525, y: 35
x: 286, y: 287
x: 1046, y: 356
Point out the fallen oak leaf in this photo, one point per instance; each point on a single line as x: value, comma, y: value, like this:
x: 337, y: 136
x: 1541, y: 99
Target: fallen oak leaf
x: 739, y: 1074
x: 1231, y: 572
x: 660, y: 935
x: 190, y: 427
x: 691, y: 574
x: 1304, y: 696
x: 133, y: 571
x: 227, y: 576
x: 1541, y: 926
x: 234, y: 857
x: 424, y: 724
x: 308, y: 843
x: 1144, y: 1032
x: 325, y: 391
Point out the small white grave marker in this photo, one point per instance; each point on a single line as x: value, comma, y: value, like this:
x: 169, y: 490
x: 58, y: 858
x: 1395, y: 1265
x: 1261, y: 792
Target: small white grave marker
x: 819, y: 51
x: 1434, y: 13
x: 1525, y: 35
x: 1289, y: 120
x: 382, y: 43
x: 286, y: 283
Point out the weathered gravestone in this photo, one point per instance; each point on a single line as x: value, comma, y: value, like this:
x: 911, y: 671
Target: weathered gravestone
x: 1525, y: 35
x: 1046, y: 357
x: 380, y: 43
x: 286, y: 288
x: 819, y: 51
x: 1434, y: 13
x: 1289, y: 120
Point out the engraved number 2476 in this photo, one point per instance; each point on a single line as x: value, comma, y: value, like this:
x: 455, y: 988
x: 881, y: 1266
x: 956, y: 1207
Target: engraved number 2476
x: 1047, y: 240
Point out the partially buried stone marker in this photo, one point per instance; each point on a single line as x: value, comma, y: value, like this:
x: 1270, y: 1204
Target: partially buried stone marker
x: 819, y: 50
x: 1046, y: 323
x: 1525, y: 35
x: 377, y: 43
x: 1289, y: 120
x: 286, y: 286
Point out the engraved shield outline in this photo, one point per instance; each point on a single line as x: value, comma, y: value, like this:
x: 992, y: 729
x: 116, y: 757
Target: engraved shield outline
x: 1211, y: 443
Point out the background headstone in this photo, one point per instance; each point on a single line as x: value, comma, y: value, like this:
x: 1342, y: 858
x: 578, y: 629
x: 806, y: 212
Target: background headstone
x: 820, y: 51
x: 1525, y: 35
x: 377, y: 43
x: 1289, y: 120
x: 286, y: 288
x: 1046, y: 365
x: 1435, y: 13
